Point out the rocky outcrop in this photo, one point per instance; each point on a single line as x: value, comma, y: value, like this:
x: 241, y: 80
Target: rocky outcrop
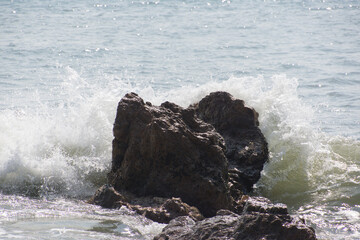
x: 167, y: 151
x: 271, y: 222
x: 177, y: 165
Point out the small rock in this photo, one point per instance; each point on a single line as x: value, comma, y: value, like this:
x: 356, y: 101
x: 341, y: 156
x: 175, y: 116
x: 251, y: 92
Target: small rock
x: 107, y: 197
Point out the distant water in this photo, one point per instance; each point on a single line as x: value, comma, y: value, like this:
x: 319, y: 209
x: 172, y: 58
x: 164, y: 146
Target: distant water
x: 64, y: 65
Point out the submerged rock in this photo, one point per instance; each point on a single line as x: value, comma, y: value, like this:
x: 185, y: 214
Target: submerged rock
x: 168, y: 152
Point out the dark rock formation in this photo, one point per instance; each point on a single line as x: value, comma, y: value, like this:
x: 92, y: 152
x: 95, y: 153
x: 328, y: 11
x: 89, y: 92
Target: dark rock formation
x: 169, y: 162
x: 157, y: 209
x: 167, y: 151
x: 272, y: 223
x: 246, y: 147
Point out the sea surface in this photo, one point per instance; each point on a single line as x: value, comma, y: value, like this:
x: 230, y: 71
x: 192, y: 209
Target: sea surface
x: 64, y: 65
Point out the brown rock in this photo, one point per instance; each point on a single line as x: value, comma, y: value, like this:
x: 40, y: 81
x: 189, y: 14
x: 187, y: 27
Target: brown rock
x: 107, y: 197
x: 178, y: 154
x: 168, y: 152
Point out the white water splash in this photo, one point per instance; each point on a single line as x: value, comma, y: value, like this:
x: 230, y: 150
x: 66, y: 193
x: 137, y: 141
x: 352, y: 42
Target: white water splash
x: 65, y: 148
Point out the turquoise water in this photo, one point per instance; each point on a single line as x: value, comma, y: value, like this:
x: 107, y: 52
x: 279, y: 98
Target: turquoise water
x: 65, y: 65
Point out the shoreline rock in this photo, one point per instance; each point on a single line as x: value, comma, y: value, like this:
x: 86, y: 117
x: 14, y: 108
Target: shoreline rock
x: 192, y: 168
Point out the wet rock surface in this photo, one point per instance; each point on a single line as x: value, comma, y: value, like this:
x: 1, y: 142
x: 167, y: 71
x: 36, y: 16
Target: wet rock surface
x: 192, y: 168
x: 270, y: 224
x: 167, y: 151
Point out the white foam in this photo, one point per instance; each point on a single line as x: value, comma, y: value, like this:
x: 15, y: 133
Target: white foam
x: 66, y: 146
x: 58, y: 145
x: 306, y: 164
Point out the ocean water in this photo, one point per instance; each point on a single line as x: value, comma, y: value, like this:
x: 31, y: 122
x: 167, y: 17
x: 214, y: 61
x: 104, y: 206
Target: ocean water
x: 64, y: 65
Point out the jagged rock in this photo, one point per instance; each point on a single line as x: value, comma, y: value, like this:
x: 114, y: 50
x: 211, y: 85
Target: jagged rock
x: 246, y: 147
x: 169, y: 210
x: 157, y: 209
x: 162, y: 151
x: 168, y: 152
x: 250, y: 225
x: 271, y: 227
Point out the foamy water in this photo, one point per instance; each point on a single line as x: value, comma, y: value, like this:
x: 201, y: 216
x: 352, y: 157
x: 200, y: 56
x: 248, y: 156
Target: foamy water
x: 64, y: 67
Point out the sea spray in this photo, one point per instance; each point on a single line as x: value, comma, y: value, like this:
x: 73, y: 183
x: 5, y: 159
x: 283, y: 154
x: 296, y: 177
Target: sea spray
x: 63, y: 148
x: 308, y: 169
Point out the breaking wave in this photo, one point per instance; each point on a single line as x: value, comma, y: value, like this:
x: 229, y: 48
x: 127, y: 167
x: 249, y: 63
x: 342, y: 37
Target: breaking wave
x: 65, y: 147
